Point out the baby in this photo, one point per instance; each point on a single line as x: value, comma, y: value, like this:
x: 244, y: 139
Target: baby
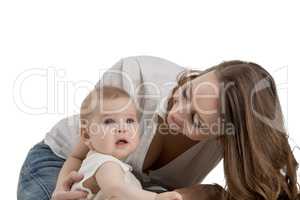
x: 109, y: 127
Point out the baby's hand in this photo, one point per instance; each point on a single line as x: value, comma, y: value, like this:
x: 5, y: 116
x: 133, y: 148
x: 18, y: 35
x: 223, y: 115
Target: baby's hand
x: 169, y: 196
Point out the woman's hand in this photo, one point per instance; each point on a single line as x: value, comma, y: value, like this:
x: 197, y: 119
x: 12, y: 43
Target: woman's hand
x: 63, y: 192
x: 202, y: 192
x: 169, y: 196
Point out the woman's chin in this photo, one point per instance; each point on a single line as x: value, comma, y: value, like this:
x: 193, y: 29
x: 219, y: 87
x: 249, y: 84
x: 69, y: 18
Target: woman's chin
x: 175, y: 132
x: 197, y: 137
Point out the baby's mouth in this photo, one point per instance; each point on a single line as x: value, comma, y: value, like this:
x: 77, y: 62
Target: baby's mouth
x: 121, y: 142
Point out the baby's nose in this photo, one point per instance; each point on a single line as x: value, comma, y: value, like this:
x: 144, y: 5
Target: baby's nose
x: 121, y: 130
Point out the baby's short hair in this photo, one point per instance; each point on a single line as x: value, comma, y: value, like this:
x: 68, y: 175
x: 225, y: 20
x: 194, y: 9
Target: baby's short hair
x: 91, y: 104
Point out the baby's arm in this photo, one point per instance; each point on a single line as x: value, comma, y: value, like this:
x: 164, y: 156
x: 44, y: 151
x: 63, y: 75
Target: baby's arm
x: 110, y: 179
x: 72, y: 163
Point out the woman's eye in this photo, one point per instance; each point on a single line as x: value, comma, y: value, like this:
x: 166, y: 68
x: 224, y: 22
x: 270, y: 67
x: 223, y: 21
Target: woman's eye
x: 130, y: 121
x: 109, y: 121
x: 196, y: 121
x: 184, y: 93
x: 175, y: 101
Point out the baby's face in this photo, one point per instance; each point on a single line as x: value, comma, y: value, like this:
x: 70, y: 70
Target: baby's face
x: 115, y: 131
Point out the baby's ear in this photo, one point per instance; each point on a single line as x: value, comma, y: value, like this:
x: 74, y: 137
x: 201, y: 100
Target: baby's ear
x: 85, y: 136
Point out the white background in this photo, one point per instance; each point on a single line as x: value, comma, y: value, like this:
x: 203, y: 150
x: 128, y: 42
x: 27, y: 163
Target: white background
x: 79, y: 38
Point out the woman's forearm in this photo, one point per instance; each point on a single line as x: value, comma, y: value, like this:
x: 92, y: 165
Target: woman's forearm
x: 71, y: 164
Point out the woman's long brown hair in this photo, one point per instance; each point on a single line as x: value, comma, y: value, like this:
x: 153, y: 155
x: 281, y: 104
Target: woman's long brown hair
x: 258, y: 160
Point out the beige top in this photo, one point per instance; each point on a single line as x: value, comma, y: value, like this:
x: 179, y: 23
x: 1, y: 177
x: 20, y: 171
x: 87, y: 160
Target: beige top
x: 149, y: 80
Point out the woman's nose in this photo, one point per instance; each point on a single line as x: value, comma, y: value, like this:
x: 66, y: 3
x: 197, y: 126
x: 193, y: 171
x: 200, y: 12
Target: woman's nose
x: 178, y: 111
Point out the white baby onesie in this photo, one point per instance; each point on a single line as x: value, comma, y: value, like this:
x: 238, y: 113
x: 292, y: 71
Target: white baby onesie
x: 90, y: 165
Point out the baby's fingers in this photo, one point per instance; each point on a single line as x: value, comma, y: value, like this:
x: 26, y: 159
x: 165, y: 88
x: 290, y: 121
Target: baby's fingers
x: 69, y: 195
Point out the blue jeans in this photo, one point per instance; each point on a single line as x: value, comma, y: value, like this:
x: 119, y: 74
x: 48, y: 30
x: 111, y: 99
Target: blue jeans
x: 39, y: 173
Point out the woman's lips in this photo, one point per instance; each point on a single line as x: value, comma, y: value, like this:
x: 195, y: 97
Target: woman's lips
x: 177, y: 121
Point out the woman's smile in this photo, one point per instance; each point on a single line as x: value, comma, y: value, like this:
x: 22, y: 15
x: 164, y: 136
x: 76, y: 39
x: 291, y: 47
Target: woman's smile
x: 177, y: 121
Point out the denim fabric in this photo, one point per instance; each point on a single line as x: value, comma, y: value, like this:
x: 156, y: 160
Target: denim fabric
x: 39, y: 173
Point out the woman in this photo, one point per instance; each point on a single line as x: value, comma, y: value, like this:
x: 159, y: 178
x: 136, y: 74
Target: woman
x: 206, y: 121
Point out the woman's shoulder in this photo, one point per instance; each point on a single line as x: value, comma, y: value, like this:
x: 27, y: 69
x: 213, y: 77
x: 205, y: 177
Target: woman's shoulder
x: 157, y: 68
x: 147, y: 66
x: 135, y: 72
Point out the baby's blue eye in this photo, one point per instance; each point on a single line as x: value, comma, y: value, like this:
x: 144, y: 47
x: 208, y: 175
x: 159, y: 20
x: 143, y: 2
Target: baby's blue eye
x: 130, y: 120
x: 109, y: 121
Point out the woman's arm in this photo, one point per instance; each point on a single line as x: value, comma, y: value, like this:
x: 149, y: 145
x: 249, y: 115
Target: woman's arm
x: 72, y: 163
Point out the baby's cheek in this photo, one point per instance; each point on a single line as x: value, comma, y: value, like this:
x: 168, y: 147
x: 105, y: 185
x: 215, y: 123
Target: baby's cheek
x: 102, y: 144
x: 135, y: 142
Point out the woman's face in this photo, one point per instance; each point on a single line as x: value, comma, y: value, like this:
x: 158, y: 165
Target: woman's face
x: 194, y: 111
